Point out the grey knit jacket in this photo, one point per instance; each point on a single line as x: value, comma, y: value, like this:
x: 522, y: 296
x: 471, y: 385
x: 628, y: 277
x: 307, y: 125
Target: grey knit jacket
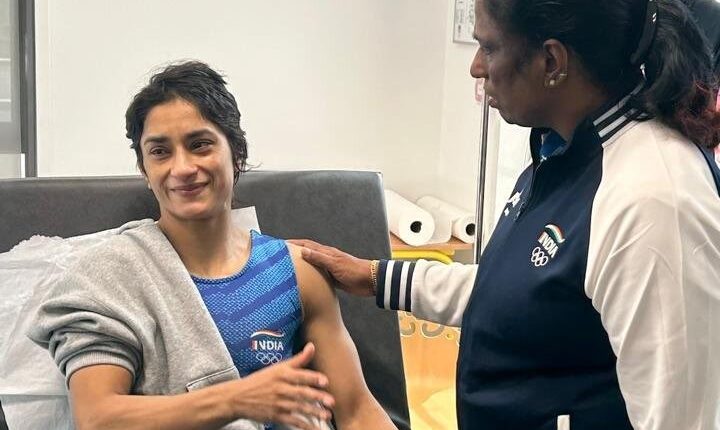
x: 133, y: 304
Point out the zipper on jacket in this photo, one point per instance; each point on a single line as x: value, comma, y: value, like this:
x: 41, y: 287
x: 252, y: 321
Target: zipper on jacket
x: 526, y: 204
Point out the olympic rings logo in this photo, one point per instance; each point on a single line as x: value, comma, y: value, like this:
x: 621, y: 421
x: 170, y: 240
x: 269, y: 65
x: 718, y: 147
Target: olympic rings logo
x: 267, y: 358
x: 538, y: 257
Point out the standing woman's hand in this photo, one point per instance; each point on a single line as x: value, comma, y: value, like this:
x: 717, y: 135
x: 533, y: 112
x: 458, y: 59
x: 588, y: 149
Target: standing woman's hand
x: 352, y: 274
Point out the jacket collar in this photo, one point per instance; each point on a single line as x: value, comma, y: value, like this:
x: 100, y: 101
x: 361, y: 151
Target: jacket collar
x: 596, y: 131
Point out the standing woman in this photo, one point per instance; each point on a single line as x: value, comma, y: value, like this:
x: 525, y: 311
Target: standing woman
x: 596, y: 304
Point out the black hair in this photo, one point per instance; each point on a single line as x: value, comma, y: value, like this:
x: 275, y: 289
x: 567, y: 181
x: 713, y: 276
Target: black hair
x: 680, y: 87
x: 203, y: 87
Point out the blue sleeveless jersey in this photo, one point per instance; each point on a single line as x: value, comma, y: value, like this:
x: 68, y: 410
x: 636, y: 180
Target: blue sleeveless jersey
x: 256, y: 310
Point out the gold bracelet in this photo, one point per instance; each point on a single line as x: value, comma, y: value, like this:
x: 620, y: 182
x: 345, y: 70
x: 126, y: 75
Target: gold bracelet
x: 373, y: 275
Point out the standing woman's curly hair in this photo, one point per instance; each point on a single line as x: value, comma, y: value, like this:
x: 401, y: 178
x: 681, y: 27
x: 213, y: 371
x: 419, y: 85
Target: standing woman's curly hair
x: 617, y: 41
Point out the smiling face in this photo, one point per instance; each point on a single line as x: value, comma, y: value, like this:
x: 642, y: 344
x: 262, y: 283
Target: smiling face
x: 514, y: 75
x: 187, y: 162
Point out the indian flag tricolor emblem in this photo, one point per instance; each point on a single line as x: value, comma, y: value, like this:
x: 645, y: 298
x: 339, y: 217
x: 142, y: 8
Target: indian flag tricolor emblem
x: 555, y: 232
x: 264, y: 340
x: 550, y: 239
x: 270, y: 333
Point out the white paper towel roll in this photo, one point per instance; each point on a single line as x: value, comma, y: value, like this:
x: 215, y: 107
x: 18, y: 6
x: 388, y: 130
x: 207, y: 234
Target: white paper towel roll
x: 462, y: 222
x: 442, y: 217
x: 409, y: 222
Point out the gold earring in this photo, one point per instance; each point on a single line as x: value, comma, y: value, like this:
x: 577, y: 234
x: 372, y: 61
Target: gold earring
x: 149, y: 186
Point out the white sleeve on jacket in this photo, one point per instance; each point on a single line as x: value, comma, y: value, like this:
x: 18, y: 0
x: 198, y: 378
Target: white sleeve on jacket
x: 654, y: 275
x: 432, y: 291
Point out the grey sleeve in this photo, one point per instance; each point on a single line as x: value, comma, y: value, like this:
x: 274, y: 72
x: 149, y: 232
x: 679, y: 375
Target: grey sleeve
x: 79, y: 332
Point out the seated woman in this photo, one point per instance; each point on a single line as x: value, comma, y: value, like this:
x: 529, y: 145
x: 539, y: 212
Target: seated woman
x: 154, y: 330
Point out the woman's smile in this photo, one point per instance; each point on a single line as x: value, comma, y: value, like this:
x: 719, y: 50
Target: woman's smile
x: 190, y: 190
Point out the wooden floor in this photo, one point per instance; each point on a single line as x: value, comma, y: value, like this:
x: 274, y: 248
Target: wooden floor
x: 429, y: 355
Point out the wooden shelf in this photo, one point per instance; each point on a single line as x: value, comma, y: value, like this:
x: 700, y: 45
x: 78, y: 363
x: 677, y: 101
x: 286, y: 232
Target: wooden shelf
x: 454, y: 244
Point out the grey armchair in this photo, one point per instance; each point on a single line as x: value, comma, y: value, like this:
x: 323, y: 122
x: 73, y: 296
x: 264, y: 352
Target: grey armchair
x: 341, y: 208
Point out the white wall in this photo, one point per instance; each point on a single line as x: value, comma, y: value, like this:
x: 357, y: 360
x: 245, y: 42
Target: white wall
x: 460, y: 139
x: 372, y: 84
x: 461, y: 123
x: 320, y: 83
